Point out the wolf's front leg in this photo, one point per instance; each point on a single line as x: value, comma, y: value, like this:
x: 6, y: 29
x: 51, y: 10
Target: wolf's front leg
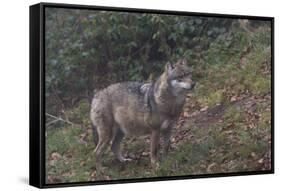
x: 166, y: 130
x: 167, y: 142
x: 155, y: 137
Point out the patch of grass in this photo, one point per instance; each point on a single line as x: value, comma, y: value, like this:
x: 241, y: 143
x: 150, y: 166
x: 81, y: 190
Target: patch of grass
x: 80, y: 113
x: 259, y: 85
x: 212, y: 99
x: 265, y: 120
x: 234, y: 114
x: 75, y: 159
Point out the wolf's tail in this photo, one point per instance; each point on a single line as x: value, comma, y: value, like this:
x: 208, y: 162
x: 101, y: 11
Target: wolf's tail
x: 95, y: 134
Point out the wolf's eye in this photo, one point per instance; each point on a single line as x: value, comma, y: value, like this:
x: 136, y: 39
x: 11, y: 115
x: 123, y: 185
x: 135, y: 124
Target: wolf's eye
x: 180, y: 79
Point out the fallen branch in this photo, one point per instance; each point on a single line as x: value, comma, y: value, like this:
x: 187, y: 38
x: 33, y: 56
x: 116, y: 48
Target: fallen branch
x: 51, y: 122
x: 59, y: 119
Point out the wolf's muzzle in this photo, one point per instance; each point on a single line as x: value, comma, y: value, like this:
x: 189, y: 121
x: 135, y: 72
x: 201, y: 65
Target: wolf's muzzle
x: 193, y: 85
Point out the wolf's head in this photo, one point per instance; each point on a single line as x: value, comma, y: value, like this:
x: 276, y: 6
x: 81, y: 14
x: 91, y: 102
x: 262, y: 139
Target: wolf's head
x: 179, y: 77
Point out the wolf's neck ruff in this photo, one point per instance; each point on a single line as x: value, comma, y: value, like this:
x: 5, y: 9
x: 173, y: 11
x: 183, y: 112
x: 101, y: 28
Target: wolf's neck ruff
x: 159, y: 97
x: 149, y: 98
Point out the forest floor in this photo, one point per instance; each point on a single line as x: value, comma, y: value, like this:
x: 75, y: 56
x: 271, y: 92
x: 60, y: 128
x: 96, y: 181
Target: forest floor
x: 203, y: 142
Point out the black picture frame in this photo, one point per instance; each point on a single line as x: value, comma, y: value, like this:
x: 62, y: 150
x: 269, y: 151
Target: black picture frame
x: 37, y: 170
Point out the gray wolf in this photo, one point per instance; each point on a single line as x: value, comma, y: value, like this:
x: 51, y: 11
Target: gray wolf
x: 134, y: 108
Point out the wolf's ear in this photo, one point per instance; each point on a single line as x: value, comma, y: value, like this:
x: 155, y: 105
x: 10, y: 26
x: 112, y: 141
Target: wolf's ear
x: 181, y: 62
x: 168, y: 68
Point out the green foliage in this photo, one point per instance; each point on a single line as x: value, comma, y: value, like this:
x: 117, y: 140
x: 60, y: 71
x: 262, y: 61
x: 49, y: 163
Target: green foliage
x: 87, y: 50
x: 80, y: 114
x: 242, y: 66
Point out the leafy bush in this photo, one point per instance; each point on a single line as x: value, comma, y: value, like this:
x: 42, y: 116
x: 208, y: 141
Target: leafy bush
x: 88, y: 50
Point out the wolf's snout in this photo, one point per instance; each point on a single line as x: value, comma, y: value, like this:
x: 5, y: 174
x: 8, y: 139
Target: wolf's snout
x: 193, y: 85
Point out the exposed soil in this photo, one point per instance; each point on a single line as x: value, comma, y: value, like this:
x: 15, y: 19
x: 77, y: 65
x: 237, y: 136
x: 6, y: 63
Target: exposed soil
x: 208, y: 117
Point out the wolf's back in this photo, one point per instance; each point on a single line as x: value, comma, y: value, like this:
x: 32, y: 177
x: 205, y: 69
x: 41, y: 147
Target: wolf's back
x: 119, y: 94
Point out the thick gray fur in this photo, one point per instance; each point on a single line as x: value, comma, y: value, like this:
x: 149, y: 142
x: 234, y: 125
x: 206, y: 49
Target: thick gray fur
x: 134, y: 109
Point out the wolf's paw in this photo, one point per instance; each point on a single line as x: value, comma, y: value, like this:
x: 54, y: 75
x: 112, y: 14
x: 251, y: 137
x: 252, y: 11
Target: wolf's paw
x: 100, y: 171
x: 155, y: 164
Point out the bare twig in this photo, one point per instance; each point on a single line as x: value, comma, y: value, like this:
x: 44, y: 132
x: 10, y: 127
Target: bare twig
x: 51, y: 122
x: 59, y: 119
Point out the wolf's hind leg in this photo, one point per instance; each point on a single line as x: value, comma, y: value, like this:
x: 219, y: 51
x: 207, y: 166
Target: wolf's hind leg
x: 104, y: 139
x: 115, y: 147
